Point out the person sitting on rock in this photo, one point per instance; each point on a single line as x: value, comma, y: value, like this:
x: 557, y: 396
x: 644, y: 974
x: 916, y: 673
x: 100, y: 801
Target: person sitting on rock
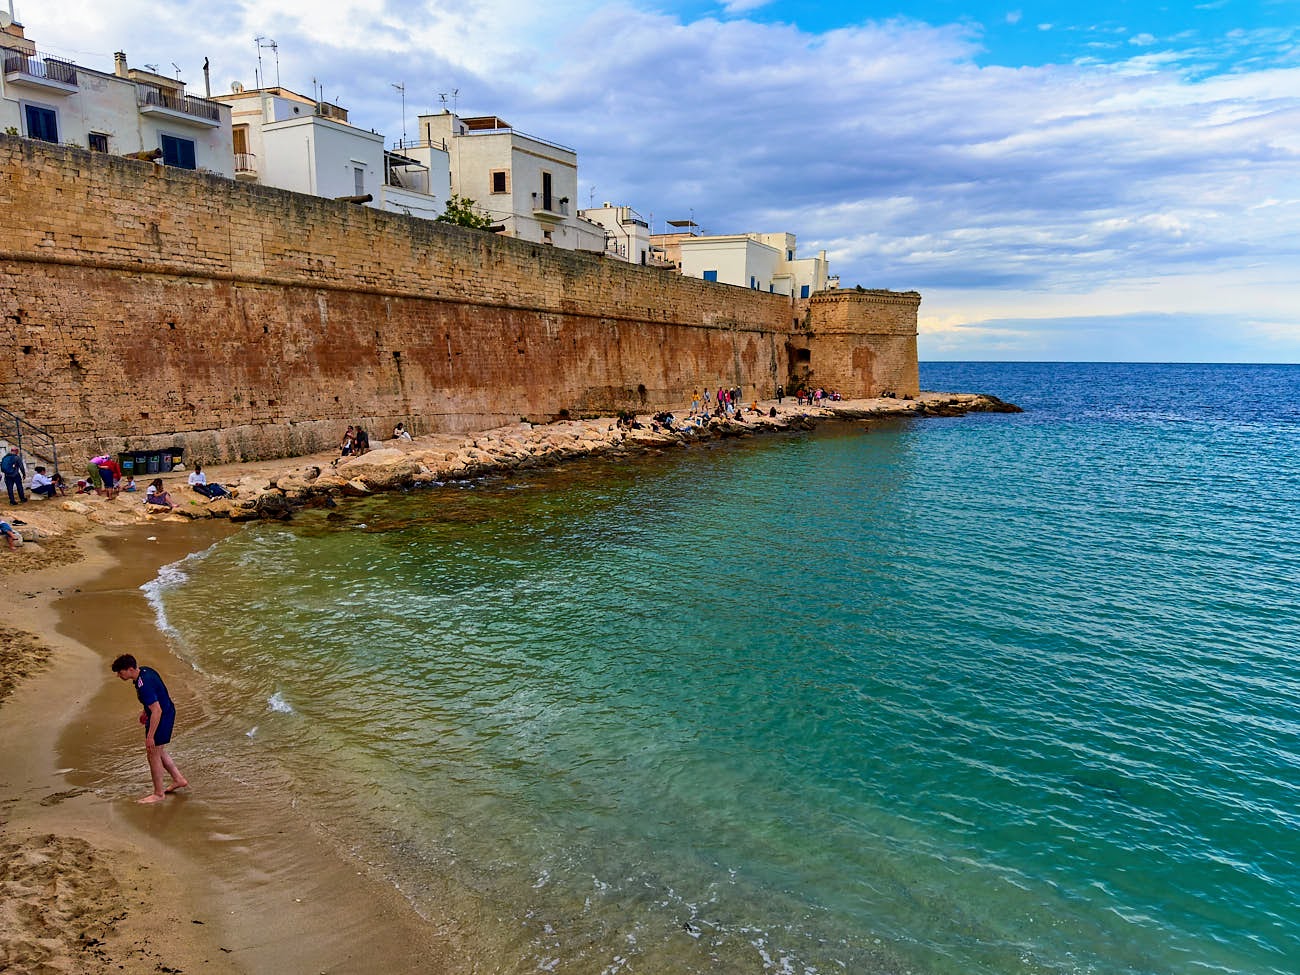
x: 155, y: 495
x: 128, y: 486
x: 11, y: 535
x: 43, y: 485
x: 399, y: 433
x: 199, y: 484
x: 362, y: 442
x: 349, y: 441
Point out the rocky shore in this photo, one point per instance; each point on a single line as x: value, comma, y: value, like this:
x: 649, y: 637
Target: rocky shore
x: 273, y: 489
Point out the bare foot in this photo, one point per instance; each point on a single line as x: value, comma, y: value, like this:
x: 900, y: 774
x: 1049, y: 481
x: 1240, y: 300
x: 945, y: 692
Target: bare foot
x: 182, y: 784
x: 152, y: 797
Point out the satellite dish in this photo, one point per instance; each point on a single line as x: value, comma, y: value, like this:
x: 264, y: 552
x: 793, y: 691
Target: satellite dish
x: 5, y: 19
x: 236, y: 87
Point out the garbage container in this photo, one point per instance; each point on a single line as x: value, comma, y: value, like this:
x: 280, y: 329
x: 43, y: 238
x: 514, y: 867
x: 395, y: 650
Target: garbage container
x: 171, y: 457
x: 154, y: 461
x: 141, y: 462
x: 126, y: 460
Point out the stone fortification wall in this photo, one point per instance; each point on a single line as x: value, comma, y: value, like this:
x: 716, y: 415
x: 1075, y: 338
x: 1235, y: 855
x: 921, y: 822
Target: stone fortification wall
x: 860, y: 342
x: 145, y: 306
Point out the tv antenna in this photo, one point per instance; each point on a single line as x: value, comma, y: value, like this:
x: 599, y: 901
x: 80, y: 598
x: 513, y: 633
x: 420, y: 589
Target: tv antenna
x: 402, y: 89
x: 178, y: 70
x: 152, y: 67
x: 263, y: 41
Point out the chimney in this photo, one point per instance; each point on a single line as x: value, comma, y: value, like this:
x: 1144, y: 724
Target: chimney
x: 119, y: 64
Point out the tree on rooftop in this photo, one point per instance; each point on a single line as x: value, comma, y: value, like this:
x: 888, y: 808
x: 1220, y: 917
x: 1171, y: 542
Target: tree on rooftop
x: 464, y: 212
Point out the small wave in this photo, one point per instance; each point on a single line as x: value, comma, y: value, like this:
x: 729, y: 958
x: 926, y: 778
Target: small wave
x: 170, y: 576
x: 278, y: 704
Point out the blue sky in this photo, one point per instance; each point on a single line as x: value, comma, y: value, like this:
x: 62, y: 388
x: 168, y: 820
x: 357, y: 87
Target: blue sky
x: 1107, y: 181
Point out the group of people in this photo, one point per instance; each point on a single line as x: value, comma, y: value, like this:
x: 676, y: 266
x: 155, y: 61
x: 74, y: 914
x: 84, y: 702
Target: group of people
x: 357, y: 441
x: 727, y: 400
x: 815, y: 397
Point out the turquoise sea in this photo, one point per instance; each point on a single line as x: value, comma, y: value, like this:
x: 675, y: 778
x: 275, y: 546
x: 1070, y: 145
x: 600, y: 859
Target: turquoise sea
x: 995, y: 694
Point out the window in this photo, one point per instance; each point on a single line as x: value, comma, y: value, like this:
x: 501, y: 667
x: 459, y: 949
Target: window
x: 789, y: 255
x: 42, y: 123
x: 753, y: 283
x: 803, y: 291
x: 547, y: 237
x: 546, y: 191
x: 178, y: 152
x: 710, y: 275
x: 359, y: 180
x: 500, y: 181
x: 98, y: 142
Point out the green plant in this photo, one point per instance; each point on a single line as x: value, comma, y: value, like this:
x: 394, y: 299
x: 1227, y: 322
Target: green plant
x: 11, y: 130
x: 464, y: 212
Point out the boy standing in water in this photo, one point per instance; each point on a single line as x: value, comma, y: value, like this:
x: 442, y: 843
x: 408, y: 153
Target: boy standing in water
x: 158, y: 717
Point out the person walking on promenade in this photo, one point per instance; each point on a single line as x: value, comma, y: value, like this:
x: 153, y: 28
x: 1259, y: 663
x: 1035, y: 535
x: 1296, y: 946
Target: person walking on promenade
x: 158, y: 717
x: 14, y: 471
x: 780, y: 392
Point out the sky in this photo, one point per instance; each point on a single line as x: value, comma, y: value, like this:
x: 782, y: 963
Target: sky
x: 1116, y: 180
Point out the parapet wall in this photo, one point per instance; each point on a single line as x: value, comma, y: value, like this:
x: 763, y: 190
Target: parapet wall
x: 145, y: 306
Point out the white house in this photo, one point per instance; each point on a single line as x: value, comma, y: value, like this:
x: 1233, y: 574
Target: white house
x: 627, y: 234
x: 762, y: 262
x: 129, y: 111
x: 524, y: 184
x: 281, y: 138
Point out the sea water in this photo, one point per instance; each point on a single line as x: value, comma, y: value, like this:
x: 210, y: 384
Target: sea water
x: 994, y: 694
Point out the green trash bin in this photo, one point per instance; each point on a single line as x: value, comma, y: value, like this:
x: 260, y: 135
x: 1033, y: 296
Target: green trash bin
x: 126, y: 460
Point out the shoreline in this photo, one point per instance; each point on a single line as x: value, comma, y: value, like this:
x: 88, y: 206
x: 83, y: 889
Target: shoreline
x: 222, y: 905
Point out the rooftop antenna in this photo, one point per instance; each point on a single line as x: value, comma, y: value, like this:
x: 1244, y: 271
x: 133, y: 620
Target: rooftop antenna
x: 178, y: 70
x: 275, y: 49
x: 591, y: 198
x: 152, y: 67
x: 455, y: 95
x: 402, y: 88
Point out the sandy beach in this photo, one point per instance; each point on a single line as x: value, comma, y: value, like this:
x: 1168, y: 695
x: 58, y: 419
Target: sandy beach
x: 225, y: 877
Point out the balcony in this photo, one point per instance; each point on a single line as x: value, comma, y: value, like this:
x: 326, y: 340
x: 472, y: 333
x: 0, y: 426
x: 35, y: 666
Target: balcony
x: 50, y: 76
x: 550, y: 208
x: 175, y: 107
x: 245, y: 167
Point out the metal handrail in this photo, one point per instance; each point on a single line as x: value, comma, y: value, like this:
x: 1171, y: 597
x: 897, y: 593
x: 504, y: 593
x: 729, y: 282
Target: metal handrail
x: 37, y: 65
x: 44, y: 439
x: 188, y: 104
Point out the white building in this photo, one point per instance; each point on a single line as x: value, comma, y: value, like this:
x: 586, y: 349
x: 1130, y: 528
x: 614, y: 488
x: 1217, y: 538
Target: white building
x: 627, y: 234
x: 281, y: 138
x: 761, y: 262
x: 126, y: 112
x: 524, y: 184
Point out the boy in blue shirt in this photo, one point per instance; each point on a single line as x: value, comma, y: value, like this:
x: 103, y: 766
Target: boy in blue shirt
x: 158, y: 717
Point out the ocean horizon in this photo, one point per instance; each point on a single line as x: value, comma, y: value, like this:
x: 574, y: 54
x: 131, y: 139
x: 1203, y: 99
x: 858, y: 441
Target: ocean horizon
x: 989, y: 694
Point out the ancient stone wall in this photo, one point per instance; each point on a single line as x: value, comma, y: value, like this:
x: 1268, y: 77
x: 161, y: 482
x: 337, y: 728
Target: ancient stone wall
x: 861, y: 343
x: 145, y: 306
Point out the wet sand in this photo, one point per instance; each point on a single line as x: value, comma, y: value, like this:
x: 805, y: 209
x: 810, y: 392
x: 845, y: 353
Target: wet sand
x: 225, y: 877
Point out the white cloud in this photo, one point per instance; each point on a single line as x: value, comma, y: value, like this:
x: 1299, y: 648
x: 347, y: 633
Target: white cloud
x: 1142, y: 40
x: 1013, y: 16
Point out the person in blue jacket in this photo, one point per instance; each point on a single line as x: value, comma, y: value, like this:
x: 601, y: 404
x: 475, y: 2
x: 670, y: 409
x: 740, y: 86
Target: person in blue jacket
x: 158, y: 717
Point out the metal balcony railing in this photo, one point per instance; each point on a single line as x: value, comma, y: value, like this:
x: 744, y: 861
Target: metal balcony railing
x: 245, y: 162
x: 37, y: 65
x: 153, y: 96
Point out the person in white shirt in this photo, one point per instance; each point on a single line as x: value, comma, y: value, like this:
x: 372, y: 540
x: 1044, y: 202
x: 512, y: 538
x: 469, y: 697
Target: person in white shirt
x: 199, y: 483
x: 399, y: 432
x: 42, y: 484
